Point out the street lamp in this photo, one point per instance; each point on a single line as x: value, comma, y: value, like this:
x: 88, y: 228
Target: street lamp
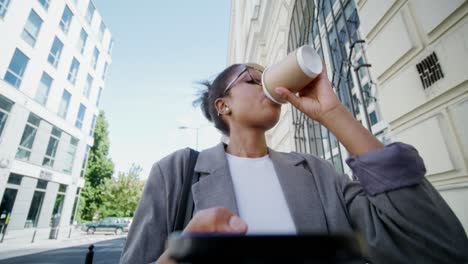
x: 194, y: 128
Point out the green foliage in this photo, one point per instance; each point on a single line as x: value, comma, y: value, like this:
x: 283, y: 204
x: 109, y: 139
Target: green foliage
x: 88, y: 206
x: 120, y: 195
x: 99, y: 168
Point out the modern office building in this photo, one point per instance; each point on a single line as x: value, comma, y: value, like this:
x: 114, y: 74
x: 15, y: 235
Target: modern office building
x: 400, y: 66
x: 54, y: 56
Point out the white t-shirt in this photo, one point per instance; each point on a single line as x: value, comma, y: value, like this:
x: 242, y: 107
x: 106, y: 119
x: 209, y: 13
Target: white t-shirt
x: 260, y: 198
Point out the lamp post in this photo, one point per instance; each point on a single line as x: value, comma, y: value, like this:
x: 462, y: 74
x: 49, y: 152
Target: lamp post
x: 196, y: 130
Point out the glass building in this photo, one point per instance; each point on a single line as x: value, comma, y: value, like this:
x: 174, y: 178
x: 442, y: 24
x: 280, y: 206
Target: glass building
x: 51, y: 82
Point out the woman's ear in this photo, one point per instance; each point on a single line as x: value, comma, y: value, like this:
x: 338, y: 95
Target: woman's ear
x: 221, y: 106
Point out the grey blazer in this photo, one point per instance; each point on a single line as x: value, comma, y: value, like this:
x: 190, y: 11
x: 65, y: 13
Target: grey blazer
x: 401, y: 216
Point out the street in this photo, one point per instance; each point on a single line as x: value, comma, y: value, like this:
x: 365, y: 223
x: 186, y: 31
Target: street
x: 105, y: 252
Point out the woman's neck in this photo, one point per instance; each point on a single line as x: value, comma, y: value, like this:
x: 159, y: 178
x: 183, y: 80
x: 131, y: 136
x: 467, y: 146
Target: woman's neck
x: 249, y: 143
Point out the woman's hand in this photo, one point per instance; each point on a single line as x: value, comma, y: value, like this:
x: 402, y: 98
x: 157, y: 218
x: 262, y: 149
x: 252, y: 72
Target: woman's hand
x: 216, y: 220
x: 317, y: 100
x: 211, y: 220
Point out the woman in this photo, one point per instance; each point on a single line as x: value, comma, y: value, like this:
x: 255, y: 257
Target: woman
x: 245, y: 187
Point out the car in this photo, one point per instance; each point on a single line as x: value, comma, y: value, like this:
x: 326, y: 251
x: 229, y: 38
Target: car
x: 129, y: 223
x: 116, y: 225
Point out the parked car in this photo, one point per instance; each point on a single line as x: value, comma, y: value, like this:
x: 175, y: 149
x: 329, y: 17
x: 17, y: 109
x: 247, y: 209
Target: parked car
x: 129, y: 223
x: 115, y: 225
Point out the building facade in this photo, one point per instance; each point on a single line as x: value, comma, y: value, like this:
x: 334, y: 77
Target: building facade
x: 399, y: 66
x: 54, y: 56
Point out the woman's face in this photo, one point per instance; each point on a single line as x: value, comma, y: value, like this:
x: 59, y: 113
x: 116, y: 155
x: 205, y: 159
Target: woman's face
x: 248, y: 104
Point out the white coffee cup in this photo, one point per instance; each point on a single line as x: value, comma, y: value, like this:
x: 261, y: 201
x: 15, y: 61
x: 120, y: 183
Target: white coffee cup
x: 294, y: 72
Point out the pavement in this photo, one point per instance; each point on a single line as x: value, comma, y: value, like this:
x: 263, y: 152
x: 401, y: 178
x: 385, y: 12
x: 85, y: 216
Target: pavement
x: 12, y: 250
x: 105, y: 252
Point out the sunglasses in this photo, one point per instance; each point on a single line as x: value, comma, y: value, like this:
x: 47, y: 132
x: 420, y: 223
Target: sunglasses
x: 254, y: 74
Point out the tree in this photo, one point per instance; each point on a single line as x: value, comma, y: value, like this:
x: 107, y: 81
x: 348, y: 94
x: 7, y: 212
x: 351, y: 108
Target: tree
x: 120, y: 195
x: 99, y: 168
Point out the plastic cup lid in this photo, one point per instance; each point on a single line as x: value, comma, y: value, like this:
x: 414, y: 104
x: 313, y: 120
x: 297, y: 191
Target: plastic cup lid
x: 309, y: 61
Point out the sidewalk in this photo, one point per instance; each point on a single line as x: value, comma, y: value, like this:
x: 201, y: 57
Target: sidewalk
x: 20, y: 249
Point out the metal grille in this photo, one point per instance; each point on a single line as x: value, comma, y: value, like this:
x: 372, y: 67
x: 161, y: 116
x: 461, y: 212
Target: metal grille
x: 429, y: 70
x: 331, y: 27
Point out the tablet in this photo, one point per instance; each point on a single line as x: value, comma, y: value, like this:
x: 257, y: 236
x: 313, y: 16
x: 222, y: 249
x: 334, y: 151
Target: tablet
x: 223, y: 248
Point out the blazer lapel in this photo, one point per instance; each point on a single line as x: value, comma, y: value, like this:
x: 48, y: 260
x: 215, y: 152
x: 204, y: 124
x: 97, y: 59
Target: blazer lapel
x: 215, y: 187
x: 300, y: 191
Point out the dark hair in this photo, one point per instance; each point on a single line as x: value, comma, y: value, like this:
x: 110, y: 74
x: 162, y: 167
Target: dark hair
x: 209, y: 92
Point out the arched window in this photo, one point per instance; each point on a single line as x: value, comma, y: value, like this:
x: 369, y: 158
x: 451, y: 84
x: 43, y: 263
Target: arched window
x: 332, y: 28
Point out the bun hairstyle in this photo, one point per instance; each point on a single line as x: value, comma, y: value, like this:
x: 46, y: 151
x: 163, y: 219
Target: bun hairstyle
x: 209, y: 92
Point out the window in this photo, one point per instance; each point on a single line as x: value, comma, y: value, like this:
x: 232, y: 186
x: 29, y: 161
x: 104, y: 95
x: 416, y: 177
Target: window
x: 42, y: 92
x: 98, y: 99
x: 66, y: 19
x: 18, y: 63
x: 329, y: 26
x: 75, y: 204
x: 3, y: 7
x: 5, y: 108
x: 326, y: 8
x: 58, y: 205
x: 80, y: 116
x: 8, y: 201
x: 88, y: 86
x: 368, y: 94
x: 314, y: 136
x: 85, y: 161
x: 324, y: 134
x: 27, y: 140
x: 41, y: 184
x: 90, y: 12
x: 334, y: 141
x: 82, y: 41
x: 373, y: 118
x: 356, y: 103
x: 102, y: 29
x: 95, y: 58
x: 74, y: 68
x: 55, y: 52
x: 70, y: 155
x: 52, y: 148
x: 106, y: 221
x: 93, y: 124
x: 104, y: 71
x: 111, y: 46
x: 45, y: 3
x: 32, y: 27
x: 362, y: 70
x: 35, y: 209
x: 64, y: 104
x: 338, y: 164
x: 62, y: 188
x: 57, y: 212
x: 15, y: 179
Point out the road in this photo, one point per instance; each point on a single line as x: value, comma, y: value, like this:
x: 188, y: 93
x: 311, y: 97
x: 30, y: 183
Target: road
x: 105, y: 252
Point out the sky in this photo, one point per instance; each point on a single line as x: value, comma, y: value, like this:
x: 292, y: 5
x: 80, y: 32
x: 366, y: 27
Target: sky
x: 162, y: 49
